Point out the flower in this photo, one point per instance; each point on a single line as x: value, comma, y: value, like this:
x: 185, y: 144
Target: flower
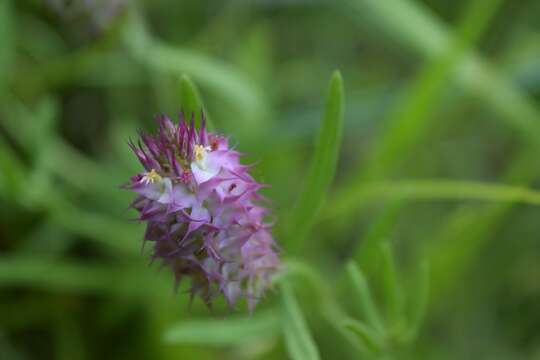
x: 203, y: 212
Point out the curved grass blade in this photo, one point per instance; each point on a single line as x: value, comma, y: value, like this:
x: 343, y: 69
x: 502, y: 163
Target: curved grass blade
x: 369, y: 338
x: 6, y: 40
x: 367, y: 304
x: 298, y: 340
x: 52, y: 274
x: 408, y: 123
x: 380, y: 230
x: 419, y: 302
x: 390, y: 283
x: 225, y: 332
x: 468, y: 230
x: 225, y: 79
x: 323, y: 166
x: 11, y: 172
x: 414, y: 25
x: 434, y: 190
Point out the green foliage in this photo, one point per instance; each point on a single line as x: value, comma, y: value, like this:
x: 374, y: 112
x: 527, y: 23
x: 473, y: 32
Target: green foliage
x: 434, y: 190
x: 192, y: 104
x: 218, y: 76
x: 398, y: 327
x: 367, y: 336
x: 365, y: 298
x: 7, y: 29
x: 323, y: 167
x: 230, y: 331
x: 299, y: 342
x: 435, y: 152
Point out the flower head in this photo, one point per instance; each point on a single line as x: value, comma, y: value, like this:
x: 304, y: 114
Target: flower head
x: 203, y: 212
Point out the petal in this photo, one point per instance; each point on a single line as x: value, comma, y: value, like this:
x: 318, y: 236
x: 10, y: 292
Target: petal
x: 181, y: 198
x: 200, y: 216
x: 166, y: 191
x: 152, y: 191
x: 223, y: 159
x: 203, y: 175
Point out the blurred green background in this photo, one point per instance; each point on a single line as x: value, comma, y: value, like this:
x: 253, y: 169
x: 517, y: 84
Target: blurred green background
x: 439, y: 160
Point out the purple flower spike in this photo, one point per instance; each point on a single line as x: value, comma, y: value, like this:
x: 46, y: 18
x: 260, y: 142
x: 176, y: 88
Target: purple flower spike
x: 202, y: 212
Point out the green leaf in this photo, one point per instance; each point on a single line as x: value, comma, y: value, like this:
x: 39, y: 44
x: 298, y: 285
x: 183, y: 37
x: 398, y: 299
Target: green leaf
x: 228, y: 81
x: 225, y: 332
x: 449, y: 54
x: 365, y: 298
x: 298, y: 340
x: 468, y: 230
x: 408, y: 122
x: 37, y: 132
x: 112, y: 234
x: 438, y: 189
x: 368, y: 337
x: 53, y: 274
x: 12, y: 174
x: 191, y: 102
x: 419, y: 300
x: 391, y: 288
x: 7, y: 43
x: 323, y: 166
x: 379, y: 230
x: 459, y: 243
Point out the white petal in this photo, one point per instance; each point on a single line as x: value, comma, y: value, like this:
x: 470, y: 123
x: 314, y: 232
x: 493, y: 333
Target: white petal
x: 202, y: 175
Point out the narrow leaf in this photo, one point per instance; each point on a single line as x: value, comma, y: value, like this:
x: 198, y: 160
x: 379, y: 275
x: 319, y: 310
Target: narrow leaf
x: 434, y: 189
x: 75, y: 277
x: 323, y: 166
x: 11, y: 172
x: 191, y: 101
x: 7, y: 42
x: 299, y: 342
x: 408, y: 123
x: 379, y: 230
x: 392, y: 293
x: 225, y: 332
x: 227, y: 80
x: 365, y: 298
x: 419, y: 301
x: 369, y: 338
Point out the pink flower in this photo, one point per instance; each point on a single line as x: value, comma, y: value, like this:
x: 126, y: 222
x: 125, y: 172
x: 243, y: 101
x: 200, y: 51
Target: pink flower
x: 203, y: 213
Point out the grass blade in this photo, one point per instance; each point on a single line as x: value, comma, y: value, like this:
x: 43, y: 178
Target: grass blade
x: 413, y: 24
x: 225, y: 332
x: 6, y: 40
x: 300, y: 344
x: 323, y: 166
x: 191, y: 102
x: 227, y: 80
x: 409, y: 122
x: 420, y: 300
x: 367, y: 336
x: 391, y: 288
x: 74, y: 277
x: 381, y: 229
x: 468, y: 230
x: 367, y: 304
x: 419, y: 29
x: 11, y: 172
x: 433, y: 190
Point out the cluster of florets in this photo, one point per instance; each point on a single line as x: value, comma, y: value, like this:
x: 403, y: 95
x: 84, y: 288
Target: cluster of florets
x: 203, y: 212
